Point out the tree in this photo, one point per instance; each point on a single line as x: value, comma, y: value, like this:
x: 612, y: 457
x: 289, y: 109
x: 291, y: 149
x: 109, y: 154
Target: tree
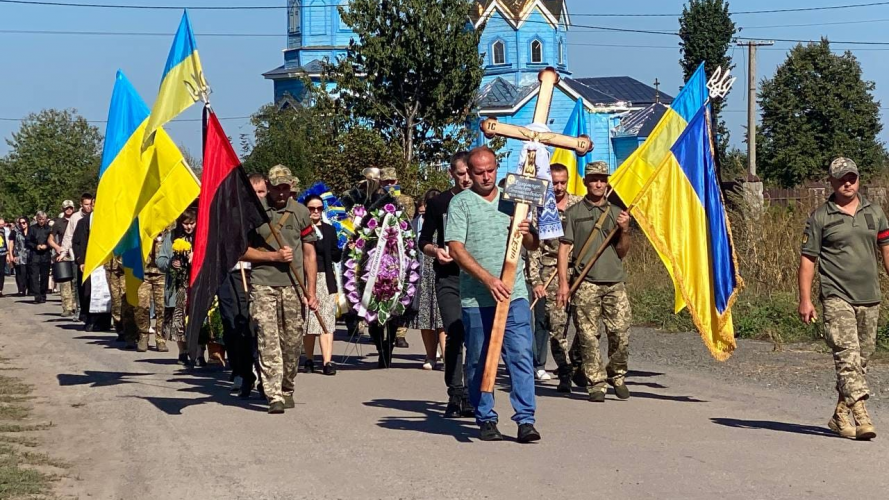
x: 706, y: 29
x: 412, y: 73
x: 54, y: 156
x: 815, y: 108
x: 290, y: 136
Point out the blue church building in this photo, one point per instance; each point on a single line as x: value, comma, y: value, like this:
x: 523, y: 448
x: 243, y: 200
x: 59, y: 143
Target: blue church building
x: 520, y: 38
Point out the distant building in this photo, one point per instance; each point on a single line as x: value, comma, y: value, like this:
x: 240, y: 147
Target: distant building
x: 520, y: 38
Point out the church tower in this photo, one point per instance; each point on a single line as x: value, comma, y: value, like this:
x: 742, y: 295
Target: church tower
x: 522, y: 37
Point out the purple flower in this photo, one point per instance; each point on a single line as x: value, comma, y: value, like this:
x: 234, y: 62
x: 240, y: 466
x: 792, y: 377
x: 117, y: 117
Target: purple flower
x: 404, y: 225
x: 373, y: 223
x: 353, y: 297
x: 410, y: 244
x: 351, y: 264
x: 359, y: 211
x: 390, y: 208
x: 371, y: 317
x: 360, y: 243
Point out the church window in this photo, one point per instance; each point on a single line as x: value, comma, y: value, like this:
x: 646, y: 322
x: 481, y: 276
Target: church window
x: 498, y: 53
x: 293, y: 19
x: 536, y: 51
x: 561, y: 52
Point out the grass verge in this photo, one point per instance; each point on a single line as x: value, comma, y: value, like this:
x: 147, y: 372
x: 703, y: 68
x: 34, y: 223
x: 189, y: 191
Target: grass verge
x: 22, y: 471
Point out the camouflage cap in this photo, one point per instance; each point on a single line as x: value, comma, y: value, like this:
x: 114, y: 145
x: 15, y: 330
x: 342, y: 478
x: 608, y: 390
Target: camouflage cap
x: 67, y: 204
x: 597, y: 168
x: 279, y: 174
x: 842, y: 166
x: 388, y: 174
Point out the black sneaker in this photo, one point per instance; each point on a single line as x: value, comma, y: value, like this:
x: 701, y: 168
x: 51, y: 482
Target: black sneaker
x: 528, y: 434
x: 621, y: 391
x: 183, y: 358
x: 489, y: 432
x: 309, y: 366
x: 289, y: 402
x: 401, y: 343
x: 467, y: 410
x: 597, y: 397
x: 276, y: 408
x: 330, y: 369
x: 564, y: 384
x: 454, y: 409
x: 246, y: 389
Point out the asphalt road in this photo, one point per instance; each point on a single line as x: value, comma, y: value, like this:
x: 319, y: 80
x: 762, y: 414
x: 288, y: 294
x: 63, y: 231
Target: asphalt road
x: 137, y: 426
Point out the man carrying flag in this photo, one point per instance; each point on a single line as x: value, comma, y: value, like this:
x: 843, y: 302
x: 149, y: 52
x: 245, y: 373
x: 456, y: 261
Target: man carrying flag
x: 602, y: 294
x: 276, y: 305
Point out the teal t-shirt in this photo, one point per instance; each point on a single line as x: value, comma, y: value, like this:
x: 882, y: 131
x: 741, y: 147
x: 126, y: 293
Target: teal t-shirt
x: 483, y: 229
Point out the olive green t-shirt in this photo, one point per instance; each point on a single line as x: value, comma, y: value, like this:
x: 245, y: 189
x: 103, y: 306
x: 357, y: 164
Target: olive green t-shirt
x: 483, y: 229
x: 580, y: 220
x: 846, y: 249
x: 296, y: 229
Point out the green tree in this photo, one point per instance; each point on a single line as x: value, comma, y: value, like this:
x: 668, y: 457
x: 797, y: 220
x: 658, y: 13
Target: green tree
x: 412, y: 72
x: 706, y: 29
x: 817, y: 107
x: 54, y: 156
x: 291, y: 136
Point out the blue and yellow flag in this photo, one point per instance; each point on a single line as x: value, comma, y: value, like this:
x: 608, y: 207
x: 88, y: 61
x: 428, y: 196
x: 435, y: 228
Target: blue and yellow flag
x: 682, y: 213
x: 576, y: 164
x: 182, y: 83
x: 629, y: 179
x: 140, y: 191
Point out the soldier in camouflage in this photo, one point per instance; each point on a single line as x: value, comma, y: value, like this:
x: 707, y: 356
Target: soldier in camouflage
x: 602, y: 295
x: 842, y: 237
x: 542, y: 265
x: 152, y: 291
x: 275, y: 306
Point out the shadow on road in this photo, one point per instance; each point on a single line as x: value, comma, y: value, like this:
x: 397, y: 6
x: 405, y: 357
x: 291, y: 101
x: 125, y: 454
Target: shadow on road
x: 428, y: 421
x: 769, y: 425
x: 100, y: 379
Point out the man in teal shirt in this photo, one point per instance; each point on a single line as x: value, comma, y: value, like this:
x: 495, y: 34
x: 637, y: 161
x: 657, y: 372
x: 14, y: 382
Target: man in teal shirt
x: 476, y: 234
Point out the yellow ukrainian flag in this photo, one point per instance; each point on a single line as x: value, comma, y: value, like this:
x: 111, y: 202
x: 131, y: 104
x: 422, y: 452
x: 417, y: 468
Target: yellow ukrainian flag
x: 576, y: 164
x: 182, y: 83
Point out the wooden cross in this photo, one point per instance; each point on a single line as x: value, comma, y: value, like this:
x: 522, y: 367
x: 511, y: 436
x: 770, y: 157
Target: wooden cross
x: 492, y: 128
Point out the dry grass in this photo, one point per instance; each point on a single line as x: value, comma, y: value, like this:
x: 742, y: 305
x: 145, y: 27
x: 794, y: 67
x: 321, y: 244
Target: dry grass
x: 768, y: 254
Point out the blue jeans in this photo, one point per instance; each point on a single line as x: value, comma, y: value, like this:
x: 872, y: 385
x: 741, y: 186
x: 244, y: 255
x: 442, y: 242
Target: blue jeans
x: 517, y: 341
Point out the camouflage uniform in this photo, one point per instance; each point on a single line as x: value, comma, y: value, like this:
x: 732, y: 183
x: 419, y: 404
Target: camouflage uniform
x: 278, y: 316
x: 845, y: 247
x: 152, y: 290
x: 602, y: 295
x: 121, y: 311
x: 542, y: 264
x: 275, y: 307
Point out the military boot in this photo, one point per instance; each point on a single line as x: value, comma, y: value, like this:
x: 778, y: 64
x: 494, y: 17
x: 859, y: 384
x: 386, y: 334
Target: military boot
x: 579, y: 377
x: 865, y: 428
x: 564, y: 380
x: 161, y: 344
x: 840, y: 422
x: 142, y: 344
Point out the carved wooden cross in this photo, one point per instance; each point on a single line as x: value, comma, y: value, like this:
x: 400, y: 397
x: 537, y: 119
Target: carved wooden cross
x: 492, y: 128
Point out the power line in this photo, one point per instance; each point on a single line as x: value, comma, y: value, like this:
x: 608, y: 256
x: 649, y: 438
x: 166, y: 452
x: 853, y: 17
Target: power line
x: 48, y: 3
x: 180, y: 120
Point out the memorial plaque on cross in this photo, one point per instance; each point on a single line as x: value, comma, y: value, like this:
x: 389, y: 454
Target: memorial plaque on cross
x: 524, y: 196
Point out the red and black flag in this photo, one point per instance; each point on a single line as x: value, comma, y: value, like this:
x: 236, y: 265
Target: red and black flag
x: 228, y: 210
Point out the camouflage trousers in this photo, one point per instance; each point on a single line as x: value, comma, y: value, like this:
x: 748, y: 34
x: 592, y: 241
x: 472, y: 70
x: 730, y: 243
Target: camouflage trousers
x: 278, y: 315
x: 851, y: 332
x: 69, y: 294
x: 151, y: 290
x: 557, y: 320
x: 122, y: 313
x: 608, y: 303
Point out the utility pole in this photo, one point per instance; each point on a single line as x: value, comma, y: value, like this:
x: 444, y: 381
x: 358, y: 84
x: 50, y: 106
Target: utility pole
x: 753, y: 186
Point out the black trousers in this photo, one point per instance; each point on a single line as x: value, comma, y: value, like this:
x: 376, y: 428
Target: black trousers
x: 447, y: 289
x: 2, y: 272
x: 384, y: 339
x: 541, y: 334
x: 39, y: 276
x: 234, y: 308
x: 21, y: 278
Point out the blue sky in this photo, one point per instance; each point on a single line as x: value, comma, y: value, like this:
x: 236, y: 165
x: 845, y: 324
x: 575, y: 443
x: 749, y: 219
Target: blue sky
x: 64, y: 71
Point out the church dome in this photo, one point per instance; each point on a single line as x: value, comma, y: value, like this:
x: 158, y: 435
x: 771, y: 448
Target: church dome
x: 517, y: 10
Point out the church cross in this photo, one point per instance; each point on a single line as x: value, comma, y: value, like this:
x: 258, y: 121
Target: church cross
x: 657, y: 91
x: 492, y: 128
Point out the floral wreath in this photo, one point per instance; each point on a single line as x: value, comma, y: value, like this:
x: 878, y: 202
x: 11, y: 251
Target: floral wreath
x: 381, y: 269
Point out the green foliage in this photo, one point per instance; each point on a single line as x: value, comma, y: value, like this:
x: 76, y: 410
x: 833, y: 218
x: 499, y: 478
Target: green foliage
x: 54, y: 156
x: 706, y: 29
x: 286, y: 136
x: 412, y: 73
x: 815, y: 108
